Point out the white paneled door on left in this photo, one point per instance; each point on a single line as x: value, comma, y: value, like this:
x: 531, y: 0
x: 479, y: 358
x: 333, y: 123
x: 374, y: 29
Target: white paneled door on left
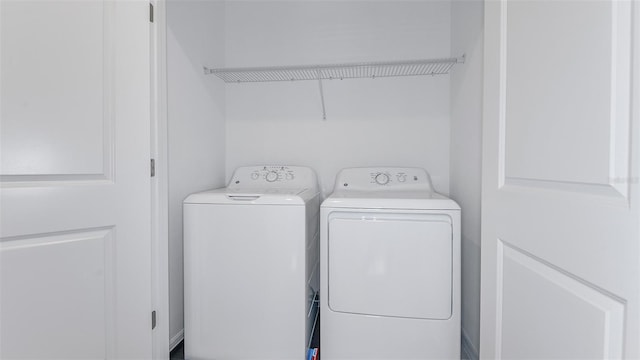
x: 75, y: 186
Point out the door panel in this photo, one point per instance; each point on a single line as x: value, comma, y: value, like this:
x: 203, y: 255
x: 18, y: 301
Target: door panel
x: 74, y: 180
x: 73, y: 273
x: 560, y: 248
x: 573, y: 73
x: 548, y: 304
x: 58, y: 82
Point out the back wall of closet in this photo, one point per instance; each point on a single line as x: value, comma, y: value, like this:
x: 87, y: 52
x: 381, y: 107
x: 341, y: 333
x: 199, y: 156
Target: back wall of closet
x: 386, y: 121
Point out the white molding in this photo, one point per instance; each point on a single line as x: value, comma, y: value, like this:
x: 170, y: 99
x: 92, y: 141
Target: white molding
x: 469, y: 351
x: 176, y: 339
x: 159, y: 184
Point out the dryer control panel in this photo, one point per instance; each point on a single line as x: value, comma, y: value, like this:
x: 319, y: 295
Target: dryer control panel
x: 383, y: 178
x: 273, y: 176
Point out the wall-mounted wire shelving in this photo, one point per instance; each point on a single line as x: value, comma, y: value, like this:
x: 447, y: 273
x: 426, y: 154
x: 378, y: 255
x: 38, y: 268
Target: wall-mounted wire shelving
x: 336, y: 72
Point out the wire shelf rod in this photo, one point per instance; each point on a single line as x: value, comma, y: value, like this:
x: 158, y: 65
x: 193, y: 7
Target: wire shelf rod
x: 336, y: 71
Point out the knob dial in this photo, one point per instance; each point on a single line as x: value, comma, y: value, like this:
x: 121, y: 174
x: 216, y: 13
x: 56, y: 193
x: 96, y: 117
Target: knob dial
x: 402, y: 178
x: 271, y: 176
x: 382, y: 179
x: 255, y: 176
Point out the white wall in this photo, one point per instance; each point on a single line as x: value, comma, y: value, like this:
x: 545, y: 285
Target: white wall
x: 393, y: 121
x: 466, y: 154
x: 195, y: 37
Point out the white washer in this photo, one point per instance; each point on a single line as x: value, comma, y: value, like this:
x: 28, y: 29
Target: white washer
x: 390, y: 268
x: 251, y: 265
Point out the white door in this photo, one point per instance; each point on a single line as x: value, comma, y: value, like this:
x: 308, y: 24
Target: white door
x: 74, y: 166
x: 560, y: 237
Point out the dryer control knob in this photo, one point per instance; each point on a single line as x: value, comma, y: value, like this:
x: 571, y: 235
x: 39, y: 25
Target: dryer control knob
x: 382, y: 179
x: 271, y: 176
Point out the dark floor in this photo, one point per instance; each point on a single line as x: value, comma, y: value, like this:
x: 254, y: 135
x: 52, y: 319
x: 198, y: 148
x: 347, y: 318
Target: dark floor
x: 315, y: 340
x: 178, y: 352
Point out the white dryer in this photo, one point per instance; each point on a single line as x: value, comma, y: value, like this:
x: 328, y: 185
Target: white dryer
x: 251, y: 254
x: 390, y: 268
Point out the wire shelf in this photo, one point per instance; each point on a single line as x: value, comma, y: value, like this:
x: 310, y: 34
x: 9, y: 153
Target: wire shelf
x: 336, y: 71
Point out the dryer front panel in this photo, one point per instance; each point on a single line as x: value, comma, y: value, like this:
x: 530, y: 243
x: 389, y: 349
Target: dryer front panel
x: 390, y: 264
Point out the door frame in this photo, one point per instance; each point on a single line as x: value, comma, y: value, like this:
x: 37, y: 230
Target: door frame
x: 159, y: 182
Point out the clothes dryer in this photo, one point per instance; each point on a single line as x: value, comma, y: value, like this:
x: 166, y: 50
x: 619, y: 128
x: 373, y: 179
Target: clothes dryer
x: 390, y: 268
x: 251, y: 254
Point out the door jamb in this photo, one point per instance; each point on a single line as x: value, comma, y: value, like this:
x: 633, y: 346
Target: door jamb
x: 159, y: 182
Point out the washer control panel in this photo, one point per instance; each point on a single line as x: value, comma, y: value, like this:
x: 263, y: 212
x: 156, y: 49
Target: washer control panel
x: 380, y: 178
x: 277, y: 176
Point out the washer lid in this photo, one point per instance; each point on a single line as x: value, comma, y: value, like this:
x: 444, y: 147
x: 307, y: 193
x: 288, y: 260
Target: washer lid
x: 252, y: 196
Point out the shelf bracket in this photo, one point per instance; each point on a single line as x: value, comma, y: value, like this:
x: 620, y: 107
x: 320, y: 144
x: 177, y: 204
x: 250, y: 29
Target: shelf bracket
x: 324, y: 111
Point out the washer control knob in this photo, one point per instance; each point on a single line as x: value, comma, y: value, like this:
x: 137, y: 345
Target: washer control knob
x: 382, y: 179
x: 271, y: 176
x: 255, y: 176
x: 402, y: 177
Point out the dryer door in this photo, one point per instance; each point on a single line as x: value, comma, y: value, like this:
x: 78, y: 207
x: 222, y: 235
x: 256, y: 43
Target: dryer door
x: 390, y: 264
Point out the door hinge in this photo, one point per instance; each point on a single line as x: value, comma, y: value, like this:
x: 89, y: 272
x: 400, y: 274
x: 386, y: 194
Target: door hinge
x: 153, y: 167
x: 150, y: 12
x: 153, y: 319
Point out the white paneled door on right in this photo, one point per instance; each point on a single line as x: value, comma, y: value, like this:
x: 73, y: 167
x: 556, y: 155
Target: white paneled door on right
x: 75, y: 266
x: 561, y: 201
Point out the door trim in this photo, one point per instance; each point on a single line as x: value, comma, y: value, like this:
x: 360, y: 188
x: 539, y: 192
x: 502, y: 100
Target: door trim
x: 159, y: 183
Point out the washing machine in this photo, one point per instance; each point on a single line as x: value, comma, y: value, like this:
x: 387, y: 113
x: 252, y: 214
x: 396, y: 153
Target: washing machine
x: 390, y: 268
x: 251, y: 256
